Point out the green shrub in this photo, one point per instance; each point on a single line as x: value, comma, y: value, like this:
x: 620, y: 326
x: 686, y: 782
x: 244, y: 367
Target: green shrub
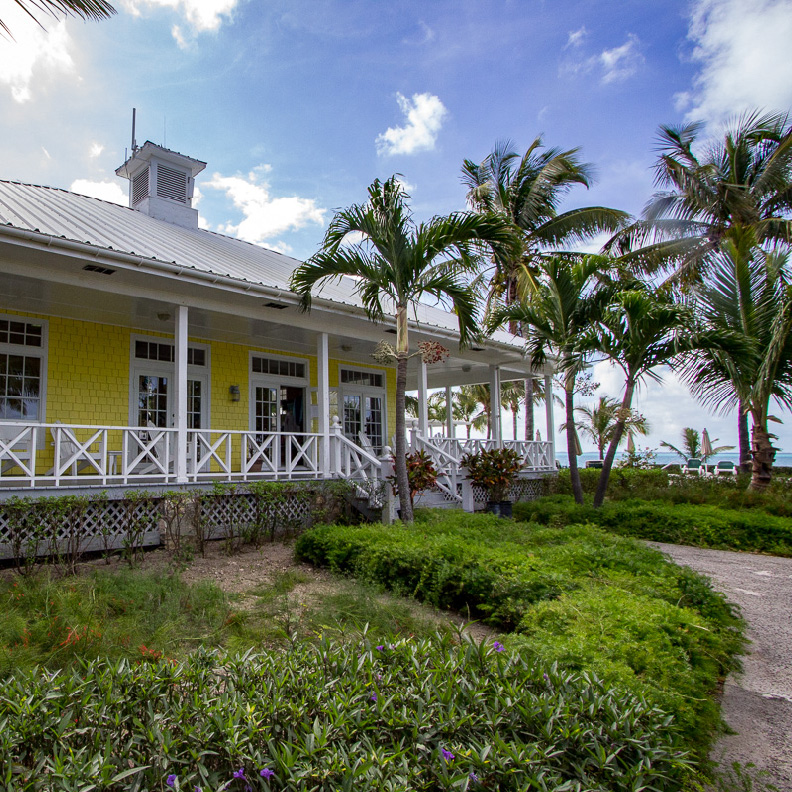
x: 509, y: 574
x: 418, y: 715
x: 697, y: 525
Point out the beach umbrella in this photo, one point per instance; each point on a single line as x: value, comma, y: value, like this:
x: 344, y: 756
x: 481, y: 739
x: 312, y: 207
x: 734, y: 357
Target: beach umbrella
x: 706, y: 445
x: 630, y: 444
x: 538, y: 436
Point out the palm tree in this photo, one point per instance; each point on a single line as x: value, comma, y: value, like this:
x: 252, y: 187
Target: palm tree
x: 512, y: 396
x: 395, y: 264
x: 744, y: 180
x: 747, y: 307
x: 527, y: 191
x: 640, y: 330
x: 467, y: 407
x: 600, y: 419
x: 692, y: 446
x: 562, y: 299
x: 86, y: 9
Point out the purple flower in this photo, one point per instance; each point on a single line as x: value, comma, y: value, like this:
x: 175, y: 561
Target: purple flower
x: 266, y: 773
x: 198, y: 789
x: 447, y: 755
x: 473, y: 777
x: 380, y: 648
x: 546, y: 678
x: 171, y: 780
x: 373, y: 696
x: 240, y: 773
x: 498, y: 646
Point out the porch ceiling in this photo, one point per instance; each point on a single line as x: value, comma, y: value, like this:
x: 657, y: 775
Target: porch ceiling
x: 54, y: 283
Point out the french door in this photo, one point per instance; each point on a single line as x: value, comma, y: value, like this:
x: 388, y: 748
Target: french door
x: 363, y: 417
x: 155, y: 403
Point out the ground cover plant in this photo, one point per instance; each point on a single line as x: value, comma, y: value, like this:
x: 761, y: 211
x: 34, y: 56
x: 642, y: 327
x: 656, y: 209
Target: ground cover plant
x: 574, y: 595
x: 429, y: 714
x: 678, y: 523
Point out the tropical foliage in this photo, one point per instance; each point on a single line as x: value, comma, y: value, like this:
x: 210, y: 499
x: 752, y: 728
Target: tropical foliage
x: 599, y: 421
x: 693, y: 447
x: 395, y: 263
x: 86, y: 9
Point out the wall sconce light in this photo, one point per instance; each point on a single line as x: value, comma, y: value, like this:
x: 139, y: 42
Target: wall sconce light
x: 233, y: 392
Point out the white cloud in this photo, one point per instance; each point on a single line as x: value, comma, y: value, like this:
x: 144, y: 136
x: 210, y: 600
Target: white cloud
x: 576, y: 37
x: 425, y: 114
x: 35, y: 56
x: 106, y: 190
x: 265, y: 216
x: 742, y: 47
x: 621, y: 62
x: 95, y: 150
x: 201, y: 15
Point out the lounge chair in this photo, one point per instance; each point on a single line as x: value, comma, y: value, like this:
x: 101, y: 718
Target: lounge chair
x: 694, y: 466
x: 74, y: 454
x: 725, y: 468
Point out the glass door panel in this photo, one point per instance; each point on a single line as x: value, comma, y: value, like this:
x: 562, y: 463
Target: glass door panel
x: 373, y: 425
x: 352, y: 415
x: 153, y: 407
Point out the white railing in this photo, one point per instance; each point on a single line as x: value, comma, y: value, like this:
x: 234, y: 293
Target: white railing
x: 61, y: 455
x: 535, y: 454
x: 446, y: 466
x: 350, y: 461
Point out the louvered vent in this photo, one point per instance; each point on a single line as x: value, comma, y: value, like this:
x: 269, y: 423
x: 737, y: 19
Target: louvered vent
x: 140, y: 187
x: 171, y: 184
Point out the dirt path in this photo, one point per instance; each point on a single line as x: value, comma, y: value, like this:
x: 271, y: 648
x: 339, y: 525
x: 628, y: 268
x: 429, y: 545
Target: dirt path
x: 758, y: 703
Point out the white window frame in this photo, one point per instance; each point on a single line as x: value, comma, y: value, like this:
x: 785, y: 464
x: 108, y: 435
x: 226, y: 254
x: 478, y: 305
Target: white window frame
x: 354, y: 388
x: 41, y: 352
x: 257, y: 379
x: 163, y: 368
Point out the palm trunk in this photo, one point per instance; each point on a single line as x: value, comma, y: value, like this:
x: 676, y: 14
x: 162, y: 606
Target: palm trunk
x: 574, y: 473
x: 618, y: 431
x: 514, y: 420
x: 763, y: 455
x: 744, y: 438
x: 402, y: 355
x: 530, y: 429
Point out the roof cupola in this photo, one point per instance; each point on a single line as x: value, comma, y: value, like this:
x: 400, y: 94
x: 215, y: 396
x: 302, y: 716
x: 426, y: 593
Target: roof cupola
x: 161, y: 184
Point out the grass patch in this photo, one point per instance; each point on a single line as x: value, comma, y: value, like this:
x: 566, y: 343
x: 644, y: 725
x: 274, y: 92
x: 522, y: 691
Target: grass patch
x: 419, y: 715
x: 715, y: 527
x: 575, y: 595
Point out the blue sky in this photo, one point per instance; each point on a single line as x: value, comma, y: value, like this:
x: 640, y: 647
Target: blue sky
x: 297, y: 105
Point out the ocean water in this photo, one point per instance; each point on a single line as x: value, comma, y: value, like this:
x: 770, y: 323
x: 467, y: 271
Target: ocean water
x: 664, y: 457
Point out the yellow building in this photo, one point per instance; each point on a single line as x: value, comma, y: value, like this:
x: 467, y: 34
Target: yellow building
x: 136, y: 347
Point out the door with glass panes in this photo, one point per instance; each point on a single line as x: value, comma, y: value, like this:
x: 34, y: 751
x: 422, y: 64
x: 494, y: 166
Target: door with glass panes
x: 278, y: 407
x: 363, y: 407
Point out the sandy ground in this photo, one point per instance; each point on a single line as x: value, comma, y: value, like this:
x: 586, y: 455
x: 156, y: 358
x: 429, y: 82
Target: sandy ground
x: 757, y: 704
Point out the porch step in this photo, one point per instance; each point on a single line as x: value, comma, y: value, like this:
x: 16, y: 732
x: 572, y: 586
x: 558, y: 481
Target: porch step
x: 436, y: 500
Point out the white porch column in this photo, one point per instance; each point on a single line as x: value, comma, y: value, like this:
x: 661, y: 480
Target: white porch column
x: 323, y: 402
x: 423, y: 412
x: 449, y: 413
x: 495, y: 405
x: 181, y: 394
x: 548, y: 384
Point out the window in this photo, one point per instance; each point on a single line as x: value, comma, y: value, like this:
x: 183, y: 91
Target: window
x: 369, y: 379
x: 22, y: 369
x: 278, y: 367
x: 153, y: 350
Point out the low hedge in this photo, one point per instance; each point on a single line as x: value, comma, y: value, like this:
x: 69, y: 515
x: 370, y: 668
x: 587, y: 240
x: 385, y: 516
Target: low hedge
x: 418, y: 715
x: 659, y: 521
x: 581, y: 597
x: 656, y: 484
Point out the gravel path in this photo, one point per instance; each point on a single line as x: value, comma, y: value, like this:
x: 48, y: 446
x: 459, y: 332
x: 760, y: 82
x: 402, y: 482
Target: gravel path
x: 757, y: 704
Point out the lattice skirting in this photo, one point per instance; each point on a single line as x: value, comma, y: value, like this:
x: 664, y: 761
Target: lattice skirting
x: 521, y: 490
x: 39, y: 527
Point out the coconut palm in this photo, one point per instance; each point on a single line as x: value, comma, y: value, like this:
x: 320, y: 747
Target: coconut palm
x: 747, y: 304
x: 395, y: 263
x: 527, y: 191
x: 467, y: 407
x: 562, y: 299
x: 599, y: 422
x: 640, y: 330
x: 692, y: 446
x: 86, y: 9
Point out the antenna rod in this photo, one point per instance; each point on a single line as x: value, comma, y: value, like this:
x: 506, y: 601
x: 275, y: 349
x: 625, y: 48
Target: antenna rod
x: 134, y: 145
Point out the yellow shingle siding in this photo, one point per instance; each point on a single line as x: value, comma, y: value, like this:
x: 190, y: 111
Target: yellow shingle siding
x: 88, y: 375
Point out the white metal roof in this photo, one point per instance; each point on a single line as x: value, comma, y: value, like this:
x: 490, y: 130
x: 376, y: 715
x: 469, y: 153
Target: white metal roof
x: 78, y: 218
